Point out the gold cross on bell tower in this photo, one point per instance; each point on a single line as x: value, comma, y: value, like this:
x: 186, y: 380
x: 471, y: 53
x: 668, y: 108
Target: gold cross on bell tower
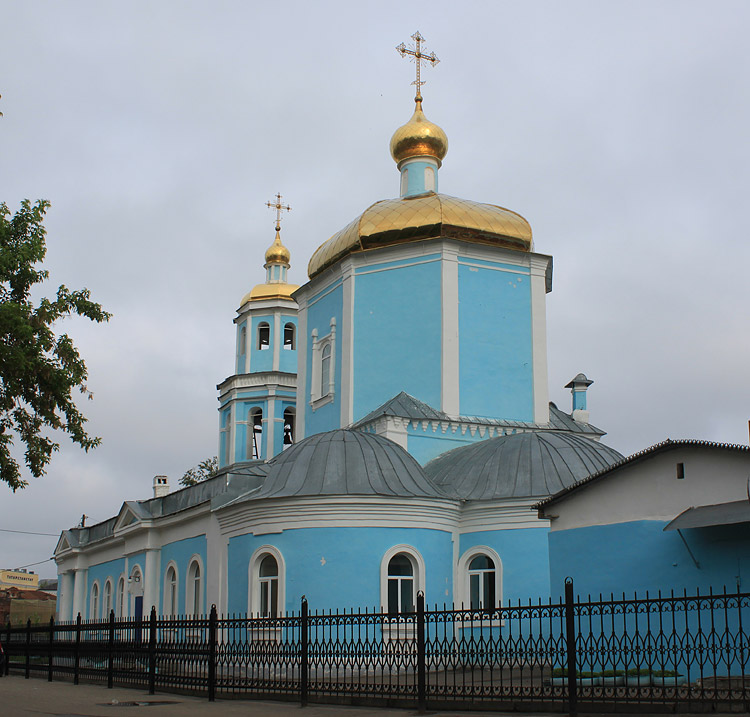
x: 278, y: 206
x: 419, y: 58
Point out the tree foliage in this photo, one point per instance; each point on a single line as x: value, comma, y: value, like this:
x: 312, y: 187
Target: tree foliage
x: 38, y: 370
x: 205, y: 469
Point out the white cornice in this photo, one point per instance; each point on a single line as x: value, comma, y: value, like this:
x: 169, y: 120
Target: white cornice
x: 262, y: 379
x: 499, y: 515
x: 260, y: 517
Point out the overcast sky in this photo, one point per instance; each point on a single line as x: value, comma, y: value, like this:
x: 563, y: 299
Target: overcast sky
x: 159, y: 129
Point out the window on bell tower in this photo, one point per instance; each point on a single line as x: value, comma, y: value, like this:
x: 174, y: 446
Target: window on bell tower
x: 264, y: 336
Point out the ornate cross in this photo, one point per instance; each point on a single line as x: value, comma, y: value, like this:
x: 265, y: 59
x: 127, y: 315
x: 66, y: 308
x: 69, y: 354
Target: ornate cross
x: 419, y: 58
x: 278, y: 206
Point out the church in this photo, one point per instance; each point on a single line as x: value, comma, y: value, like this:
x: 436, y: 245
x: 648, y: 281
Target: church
x: 387, y: 429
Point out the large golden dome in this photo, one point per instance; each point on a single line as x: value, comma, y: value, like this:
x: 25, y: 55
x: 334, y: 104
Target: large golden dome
x: 425, y: 216
x: 419, y: 138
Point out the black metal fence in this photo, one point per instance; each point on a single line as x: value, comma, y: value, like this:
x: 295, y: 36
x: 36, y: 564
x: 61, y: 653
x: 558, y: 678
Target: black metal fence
x: 663, y: 653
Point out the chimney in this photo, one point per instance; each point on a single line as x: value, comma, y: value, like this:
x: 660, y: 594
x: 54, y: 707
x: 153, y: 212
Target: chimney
x: 578, y: 387
x: 161, y: 486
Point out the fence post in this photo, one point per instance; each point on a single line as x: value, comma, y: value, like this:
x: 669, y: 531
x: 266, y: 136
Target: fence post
x: 570, y: 647
x: 111, y: 651
x: 421, y: 655
x: 304, y: 652
x: 6, y: 667
x: 212, y: 635
x: 152, y: 651
x: 51, y: 647
x: 77, y: 652
x: 28, y: 648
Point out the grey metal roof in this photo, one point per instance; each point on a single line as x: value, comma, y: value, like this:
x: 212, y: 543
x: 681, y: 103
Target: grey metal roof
x: 346, y: 462
x: 669, y: 444
x: 406, y: 406
x: 706, y: 515
x: 520, y: 465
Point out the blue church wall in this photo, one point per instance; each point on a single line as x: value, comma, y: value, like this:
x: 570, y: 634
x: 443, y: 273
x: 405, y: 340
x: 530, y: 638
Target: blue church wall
x: 322, y: 307
x: 288, y: 357
x: 340, y: 567
x: 398, y: 319
x: 640, y: 555
x: 180, y: 552
x: 111, y: 569
x: 495, y: 351
x: 524, y: 555
x: 260, y: 360
x: 241, y: 348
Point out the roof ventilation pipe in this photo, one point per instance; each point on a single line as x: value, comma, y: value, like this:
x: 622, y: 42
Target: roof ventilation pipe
x: 578, y: 387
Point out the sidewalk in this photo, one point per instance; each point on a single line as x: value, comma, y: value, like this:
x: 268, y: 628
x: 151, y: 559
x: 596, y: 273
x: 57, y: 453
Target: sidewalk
x: 20, y: 698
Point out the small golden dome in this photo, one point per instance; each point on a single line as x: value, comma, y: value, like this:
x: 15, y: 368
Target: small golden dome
x: 270, y: 291
x: 419, y: 138
x: 277, y: 253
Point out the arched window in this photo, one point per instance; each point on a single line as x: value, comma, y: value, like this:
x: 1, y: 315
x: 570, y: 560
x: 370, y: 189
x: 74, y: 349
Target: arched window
x: 325, y: 370
x: 255, y: 433
x: 268, y: 579
x: 243, y: 340
x: 121, y: 605
x: 170, y: 591
x: 481, y: 583
x: 226, y: 436
x: 429, y: 179
x: 264, y: 336
x: 290, y: 338
x: 400, y: 585
x: 266, y: 582
x: 289, y: 416
x: 107, y: 599
x: 194, y: 592
x: 94, y: 607
x: 136, y: 592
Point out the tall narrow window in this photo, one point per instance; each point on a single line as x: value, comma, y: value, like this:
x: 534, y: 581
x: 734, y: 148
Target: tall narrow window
x: 121, y: 597
x: 94, y: 611
x: 325, y: 370
x: 288, y: 426
x: 400, y: 584
x: 107, y: 599
x: 289, y: 337
x: 429, y: 179
x: 268, y: 579
x: 226, y: 438
x: 264, y: 336
x: 243, y: 340
x: 255, y: 428
x: 194, y: 593
x: 482, y: 582
x: 170, y: 591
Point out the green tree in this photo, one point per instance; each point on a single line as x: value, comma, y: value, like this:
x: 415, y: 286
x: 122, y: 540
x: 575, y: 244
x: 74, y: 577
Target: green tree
x: 38, y: 370
x: 205, y: 469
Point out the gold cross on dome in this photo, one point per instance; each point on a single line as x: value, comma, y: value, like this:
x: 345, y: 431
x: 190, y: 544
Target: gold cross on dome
x: 278, y: 206
x: 419, y: 58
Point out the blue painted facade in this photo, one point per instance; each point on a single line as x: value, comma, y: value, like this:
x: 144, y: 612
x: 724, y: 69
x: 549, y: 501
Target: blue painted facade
x: 397, y: 333
x: 495, y: 350
x: 418, y: 177
x: 181, y: 552
x: 261, y: 359
x: 640, y: 555
x: 287, y: 356
x: 101, y: 573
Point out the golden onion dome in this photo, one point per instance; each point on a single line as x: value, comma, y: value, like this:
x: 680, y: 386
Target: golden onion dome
x: 419, y: 138
x: 277, y: 253
x: 421, y: 217
x: 270, y: 291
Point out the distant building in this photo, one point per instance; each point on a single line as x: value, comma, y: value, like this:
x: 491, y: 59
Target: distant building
x: 18, y: 605
x: 19, y: 579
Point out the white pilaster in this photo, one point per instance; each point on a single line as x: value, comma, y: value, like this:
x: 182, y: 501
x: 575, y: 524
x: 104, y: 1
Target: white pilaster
x: 79, y: 592
x: 449, y: 401
x: 270, y: 421
x: 151, y: 581
x: 302, y: 377
x: 347, y: 344
x: 539, y: 265
x: 277, y: 339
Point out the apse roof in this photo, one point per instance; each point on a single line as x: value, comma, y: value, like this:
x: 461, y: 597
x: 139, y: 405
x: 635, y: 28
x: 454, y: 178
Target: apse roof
x: 404, y: 405
x: 346, y: 462
x: 521, y: 465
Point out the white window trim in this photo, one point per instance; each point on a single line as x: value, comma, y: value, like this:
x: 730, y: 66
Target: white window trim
x: 176, y: 607
x: 317, y: 398
x: 253, y: 581
x: 417, y: 562
x: 464, y: 591
x: 191, y: 609
x: 121, y: 608
x: 95, y: 608
x: 135, y: 589
x: 105, y: 612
